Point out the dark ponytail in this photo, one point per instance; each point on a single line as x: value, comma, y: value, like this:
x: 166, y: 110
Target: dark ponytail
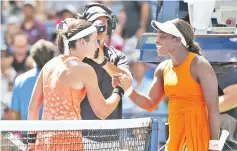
x: 60, y: 44
x: 61, y: 30
x: 194, y: 47
x: 187, y: 31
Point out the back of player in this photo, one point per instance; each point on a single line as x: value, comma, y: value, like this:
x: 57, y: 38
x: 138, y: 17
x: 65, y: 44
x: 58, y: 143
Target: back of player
x: 61, y: 102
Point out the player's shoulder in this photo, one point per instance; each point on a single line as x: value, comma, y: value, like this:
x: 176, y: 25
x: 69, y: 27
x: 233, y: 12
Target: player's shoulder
x: 162, y: 65
x: 200, y: 59
x: 52, y: 61
x: 82, y: 72
x: 200, y: 62
x: 80, y: 67
x: 161, y: 68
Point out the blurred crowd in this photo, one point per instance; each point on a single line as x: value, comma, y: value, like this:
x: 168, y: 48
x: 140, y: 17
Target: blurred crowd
x: 23, y: 23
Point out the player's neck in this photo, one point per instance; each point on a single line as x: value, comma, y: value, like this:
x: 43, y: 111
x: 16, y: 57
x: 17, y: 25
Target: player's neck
x: 80, y: 56
x: 179, y: 56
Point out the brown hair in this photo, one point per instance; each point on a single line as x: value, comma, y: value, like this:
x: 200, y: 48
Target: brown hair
x: 42, y: 51
x: 69, y: 28
x: 187, y: 31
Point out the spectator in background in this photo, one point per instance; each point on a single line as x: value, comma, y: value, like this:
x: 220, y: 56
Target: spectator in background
x: 64, y: 9
x: 8, y: 75
x: 33, y: 28
x: 138, y: 22
x: 68, y: 12
x: 41, y: 52
x: 56, y: 16
x: 13, y: 27
x: 58, y: 7
x: 115, y: 6
x: 9, y: 8
x: 116, y: 39
x: 20, y: 51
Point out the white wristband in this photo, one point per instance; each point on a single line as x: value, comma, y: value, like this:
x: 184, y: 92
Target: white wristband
x: 214, y: 145
x: 129, y: 91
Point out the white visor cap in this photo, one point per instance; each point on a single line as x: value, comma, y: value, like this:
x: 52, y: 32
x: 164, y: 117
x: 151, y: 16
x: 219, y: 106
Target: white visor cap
x: 170, y: 28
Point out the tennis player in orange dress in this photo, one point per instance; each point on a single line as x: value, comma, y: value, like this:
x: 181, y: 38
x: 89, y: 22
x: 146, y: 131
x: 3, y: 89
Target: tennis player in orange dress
x: 63, y: 83
x: 191, y: 85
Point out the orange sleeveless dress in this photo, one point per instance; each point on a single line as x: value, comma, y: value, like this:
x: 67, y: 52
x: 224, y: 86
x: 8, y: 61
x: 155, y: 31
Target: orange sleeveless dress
x: 188, y: 117
x: 61, y: 102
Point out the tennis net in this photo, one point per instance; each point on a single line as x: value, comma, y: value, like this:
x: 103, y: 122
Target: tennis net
x: 85, y: 135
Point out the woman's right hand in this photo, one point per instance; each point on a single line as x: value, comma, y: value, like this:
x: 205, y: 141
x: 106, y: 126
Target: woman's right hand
x: 121, y: 80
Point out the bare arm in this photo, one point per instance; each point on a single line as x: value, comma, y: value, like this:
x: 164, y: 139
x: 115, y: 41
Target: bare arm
x: 228, y: 101
x: 101, y: 107
x: 36, y: 99
x: 111, y: 69
x: 207, y: 79
x: 156, y: 92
